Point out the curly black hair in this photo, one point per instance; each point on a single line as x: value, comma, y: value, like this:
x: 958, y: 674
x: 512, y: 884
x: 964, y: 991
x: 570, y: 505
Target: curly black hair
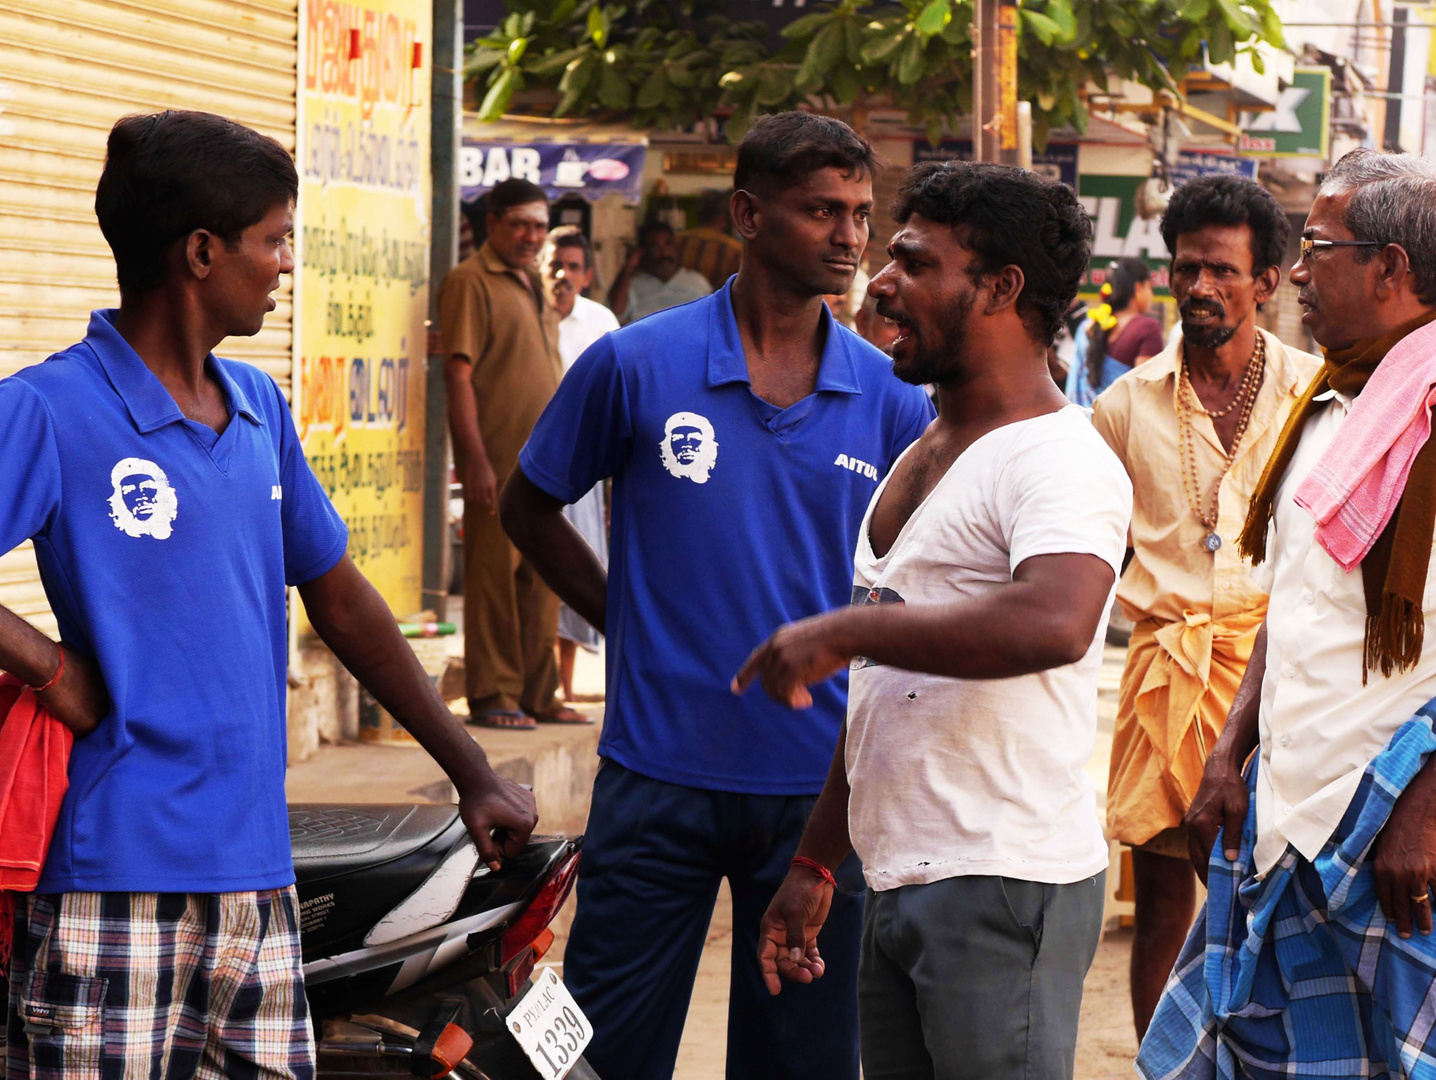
x: 1229, y: 200
x: 1012, y: 217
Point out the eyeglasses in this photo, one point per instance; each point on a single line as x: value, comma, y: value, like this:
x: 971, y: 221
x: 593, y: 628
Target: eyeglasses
x: 1309, y: 245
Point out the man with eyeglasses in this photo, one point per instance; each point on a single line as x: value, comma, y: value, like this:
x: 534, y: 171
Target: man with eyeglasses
x: 1303, y: 962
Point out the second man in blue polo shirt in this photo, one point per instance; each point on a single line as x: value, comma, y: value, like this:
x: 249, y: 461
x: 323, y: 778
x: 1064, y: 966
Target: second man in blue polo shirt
x: 745, y: 433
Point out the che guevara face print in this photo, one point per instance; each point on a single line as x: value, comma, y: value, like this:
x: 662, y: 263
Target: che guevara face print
x: 142, y: 500
x: 688, y: 450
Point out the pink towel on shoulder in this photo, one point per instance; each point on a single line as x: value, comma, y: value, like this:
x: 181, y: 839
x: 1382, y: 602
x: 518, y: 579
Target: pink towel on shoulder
x: 34, y: 776
x: 1353, y: 490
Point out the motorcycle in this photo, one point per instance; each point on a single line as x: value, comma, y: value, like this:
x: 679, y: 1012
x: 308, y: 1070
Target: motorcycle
x: 420, y: 961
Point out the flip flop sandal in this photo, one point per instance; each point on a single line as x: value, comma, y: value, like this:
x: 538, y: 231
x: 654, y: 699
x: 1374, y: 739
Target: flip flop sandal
x: 565, y: 715
x: 510, y: 719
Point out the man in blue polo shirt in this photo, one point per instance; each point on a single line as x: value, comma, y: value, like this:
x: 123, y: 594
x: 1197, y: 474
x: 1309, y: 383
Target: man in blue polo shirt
x: 170, y: 504
x: 744, y: 433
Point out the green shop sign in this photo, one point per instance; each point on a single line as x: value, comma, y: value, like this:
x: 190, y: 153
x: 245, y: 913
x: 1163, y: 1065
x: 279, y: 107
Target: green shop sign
x: 1299, y: 126
x: 1118, y: 230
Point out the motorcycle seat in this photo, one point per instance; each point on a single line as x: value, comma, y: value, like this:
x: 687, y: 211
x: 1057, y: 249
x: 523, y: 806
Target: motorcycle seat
x: 334, y: 839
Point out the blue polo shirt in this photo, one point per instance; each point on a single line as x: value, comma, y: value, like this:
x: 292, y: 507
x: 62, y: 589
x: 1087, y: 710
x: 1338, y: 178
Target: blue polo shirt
x: 164, y: 549
x: 730, y: 518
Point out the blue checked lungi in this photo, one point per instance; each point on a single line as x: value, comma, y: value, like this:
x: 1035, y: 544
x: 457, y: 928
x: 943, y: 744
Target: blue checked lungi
x: 1300, y: 975
x: 158, y: 986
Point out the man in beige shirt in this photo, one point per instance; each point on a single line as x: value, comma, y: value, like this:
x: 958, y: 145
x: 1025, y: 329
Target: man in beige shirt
x: 1194, y: 426
x: 500, y: 344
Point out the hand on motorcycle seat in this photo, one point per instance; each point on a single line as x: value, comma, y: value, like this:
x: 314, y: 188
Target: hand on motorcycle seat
x: 500, y: 816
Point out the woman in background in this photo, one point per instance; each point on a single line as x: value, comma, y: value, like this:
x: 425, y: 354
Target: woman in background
x: 1118, y: 331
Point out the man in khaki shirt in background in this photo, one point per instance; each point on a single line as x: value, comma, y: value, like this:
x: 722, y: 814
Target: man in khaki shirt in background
x: 1194, y: 426
x: 500, y: 343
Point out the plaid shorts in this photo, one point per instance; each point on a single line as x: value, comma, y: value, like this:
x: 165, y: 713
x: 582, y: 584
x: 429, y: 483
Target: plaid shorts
x: 158, y: 986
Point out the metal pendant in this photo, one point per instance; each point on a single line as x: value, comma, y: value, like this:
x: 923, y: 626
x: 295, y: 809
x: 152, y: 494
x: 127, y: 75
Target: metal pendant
x: 1211, y: 542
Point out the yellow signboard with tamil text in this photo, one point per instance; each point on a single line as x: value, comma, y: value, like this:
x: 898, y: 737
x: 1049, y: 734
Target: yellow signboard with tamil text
x: 363, y: 275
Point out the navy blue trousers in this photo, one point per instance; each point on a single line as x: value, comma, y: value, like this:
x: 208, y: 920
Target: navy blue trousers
x: 653, y: 858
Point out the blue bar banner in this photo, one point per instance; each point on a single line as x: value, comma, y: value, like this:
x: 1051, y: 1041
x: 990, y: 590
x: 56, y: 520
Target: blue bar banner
x: 593, y: 170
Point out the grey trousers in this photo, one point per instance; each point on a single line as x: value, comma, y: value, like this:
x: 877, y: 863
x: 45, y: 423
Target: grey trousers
x: 975, y: 978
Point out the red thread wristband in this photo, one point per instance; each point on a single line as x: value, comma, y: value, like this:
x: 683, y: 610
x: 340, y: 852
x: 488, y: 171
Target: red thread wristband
x: 53, y: 678
x: 817, y: 868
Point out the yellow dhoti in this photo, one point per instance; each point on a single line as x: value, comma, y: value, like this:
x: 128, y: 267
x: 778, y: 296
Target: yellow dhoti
x: 1177, y: 687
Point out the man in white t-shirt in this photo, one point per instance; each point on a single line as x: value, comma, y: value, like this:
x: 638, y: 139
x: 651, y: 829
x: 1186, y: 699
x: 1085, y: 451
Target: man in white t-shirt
x: 985, y: 570
x: 567, y: 262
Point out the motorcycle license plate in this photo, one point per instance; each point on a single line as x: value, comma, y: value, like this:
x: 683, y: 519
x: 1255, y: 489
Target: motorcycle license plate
x: 550, y: 1026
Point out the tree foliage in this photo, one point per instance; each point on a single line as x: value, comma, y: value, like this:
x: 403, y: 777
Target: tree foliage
x: 670, y: 65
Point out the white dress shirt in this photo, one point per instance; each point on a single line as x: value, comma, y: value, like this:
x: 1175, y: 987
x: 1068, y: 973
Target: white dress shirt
x: 646, y: 294
x: 1319, y: 726
x: 581, y: 327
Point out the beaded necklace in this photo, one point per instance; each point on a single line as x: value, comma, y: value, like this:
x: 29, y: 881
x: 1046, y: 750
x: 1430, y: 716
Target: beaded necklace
x: 1245, y: 399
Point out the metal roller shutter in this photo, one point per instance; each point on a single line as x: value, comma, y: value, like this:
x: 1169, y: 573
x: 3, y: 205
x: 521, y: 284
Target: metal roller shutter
x: 67, y: 73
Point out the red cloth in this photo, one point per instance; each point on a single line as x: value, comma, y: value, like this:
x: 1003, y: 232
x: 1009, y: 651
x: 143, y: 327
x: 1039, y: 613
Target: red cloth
x: 34, y: 775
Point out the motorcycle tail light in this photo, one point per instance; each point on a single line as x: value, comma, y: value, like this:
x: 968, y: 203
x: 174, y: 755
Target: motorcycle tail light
x: 540, y: 913
x: 524, y: 965
x: 519, y: 976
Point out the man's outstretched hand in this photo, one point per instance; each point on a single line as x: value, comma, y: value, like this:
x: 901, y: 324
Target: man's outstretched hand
x: 795, y: 657
x: 500, y: 816
x: 788, y: 935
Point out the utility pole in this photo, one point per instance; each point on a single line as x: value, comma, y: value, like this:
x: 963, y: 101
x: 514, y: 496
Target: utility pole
x: 994, y: 83
x: 447, y: 93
